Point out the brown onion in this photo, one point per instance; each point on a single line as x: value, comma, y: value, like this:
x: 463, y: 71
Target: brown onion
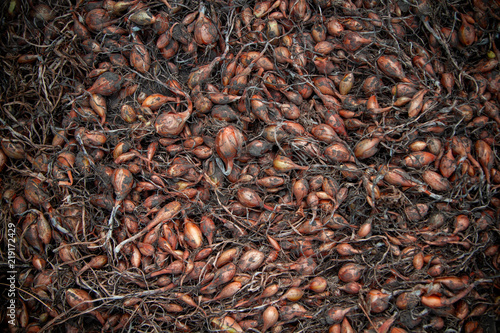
x: 205, y: 32
x: 436, y: 181
x: 228, y: 291
x: 378, y: 301
x: 14, y: 150
x: 270, y: 317
x: 81, y: 301
x: 285, y: 164
x: 366, y: 148
x: 226, y: 324
x: 192, y: 235
x: 337, y: 314
x: 251, y: 260
x: 228, y: 144
x: 318, y: 284
x: 123, y: 182
x: 390, y: 66
x: 466, y: 32
x: 350, y: 272
x: 170, y: 123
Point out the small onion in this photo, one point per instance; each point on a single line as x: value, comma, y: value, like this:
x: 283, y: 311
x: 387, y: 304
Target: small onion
x: 251, y: 260
x: 350, y: 272
x: 293, y: 294
x: 318, y: 284
x: 270, y: 317
x: 193, y: 235
x: 378, y: 301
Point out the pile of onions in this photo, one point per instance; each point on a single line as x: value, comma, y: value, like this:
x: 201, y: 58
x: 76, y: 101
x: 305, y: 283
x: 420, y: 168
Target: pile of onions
x: 235, y: 166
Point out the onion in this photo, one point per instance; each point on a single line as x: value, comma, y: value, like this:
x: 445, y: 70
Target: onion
x: 171, y: 123
x: 337, y: 314
x: 352, y: 288
x: 123, y: 182
x: 98, y: 104
x: 208, y: 228
x: 318, y: 284
x: 378, y: 301
x: 324, y: 48
x: 417, y: 212
x: 371, y: 85
x: 346, y: 249
x: 447, y: 165
x: 390, y: 66
x: 251, y: 260
x: 228, y: 144
x: 466, y: 32
x: 81, y: 301
x: 293, y: 294
x: 106, y: 84
x: 366, y: 148
x: 350, y: 272
x: 14, y: 150
x: 305, y: 265
x: 249, y: 198
x: 485, y: 157
x: 142, y: 17
x: 289, y: 312
x: 192, y: 235
x: 3, y: 160
x: 226, y: 324
x: 324, y: 65
x: 346, y: 327
x: 269, y: 291
x: 205, y: 31
x: 346, y: 83
x: 285, y: 164
x: 436, y: 181
x: 334, y: 27
x: 221, y: 276
x: 248, y: 324
x: 461, y: 223
x: 408, y: 300
x: 479, y: 310
x: 299, y: 10
x: 432, y: 301
x: 35, y: 193
x: 353, y: 41
x: 318, y: 32
x: 44, y: 229
x: 270, y: 317
x: 38, y: 262
x: 418, y: 159
x: 436, y: 323
x: 418, y: 261
x: 200, y: 74
x: 228, y: 291
x: 300, y: 190
x: 461, y: 310
x: 290, y: 111
x: 324, y: 133
x: 416, y: 103
x: 335, y: 328
x: 271, y: 181
x: 282, y: 55
x: 338, y: 152
x: 227, y: 256
x: 365, y: 229
x: 97, y: 19
x: 43, y: 13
